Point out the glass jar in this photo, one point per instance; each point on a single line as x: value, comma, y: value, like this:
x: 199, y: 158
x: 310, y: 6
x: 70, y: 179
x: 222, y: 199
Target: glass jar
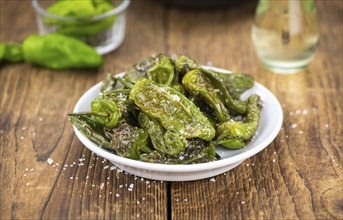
x: 105, y: 32
x: 285, y: 34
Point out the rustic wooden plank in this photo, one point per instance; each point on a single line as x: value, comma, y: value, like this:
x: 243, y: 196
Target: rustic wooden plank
x: 299, y: 175
x: 34, y: 103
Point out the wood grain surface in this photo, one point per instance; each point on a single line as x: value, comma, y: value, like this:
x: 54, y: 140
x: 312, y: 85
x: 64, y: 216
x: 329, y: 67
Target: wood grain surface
x: 298, y: 176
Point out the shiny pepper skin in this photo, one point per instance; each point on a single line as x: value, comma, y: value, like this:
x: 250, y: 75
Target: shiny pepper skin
x: 57, y: 51
x: 173, y: 110
x: 233, y: 134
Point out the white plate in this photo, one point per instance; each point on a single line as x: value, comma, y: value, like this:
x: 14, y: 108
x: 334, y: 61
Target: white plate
x: 270, y: 124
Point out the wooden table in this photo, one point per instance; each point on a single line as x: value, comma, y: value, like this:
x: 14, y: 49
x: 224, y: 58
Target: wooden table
x: 299, y: 175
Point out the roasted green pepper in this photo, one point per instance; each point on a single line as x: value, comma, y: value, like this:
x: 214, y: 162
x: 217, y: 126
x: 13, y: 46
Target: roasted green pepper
x: 57, y: 51
x: 167, y: 142
x: 173, y: 110
x: 87, y: 125
x: 157, y: 68
x: 162, y: 72
x: 129, y: 141
x: 139, y: 70
x: 198, y: 84
x: 233, y: 134
x: 197, y: 151
x: 184, y: 64
x: 236, y: 83
x: 234, y: 104
x: 106, y: 112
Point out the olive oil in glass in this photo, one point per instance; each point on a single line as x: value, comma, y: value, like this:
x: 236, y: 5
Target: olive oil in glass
x: 285, y: 34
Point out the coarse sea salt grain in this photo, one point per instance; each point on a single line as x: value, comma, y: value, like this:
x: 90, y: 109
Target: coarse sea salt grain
x: 212, y: 180
x: 50, y: 161
x: 294, y: 125
x: 112, y: 168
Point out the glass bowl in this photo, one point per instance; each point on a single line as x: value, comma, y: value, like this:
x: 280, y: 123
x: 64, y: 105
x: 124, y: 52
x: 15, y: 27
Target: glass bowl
x: 105, y: 32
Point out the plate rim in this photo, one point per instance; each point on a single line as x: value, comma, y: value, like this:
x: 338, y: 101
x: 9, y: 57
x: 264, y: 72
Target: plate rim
x: 181, y: 168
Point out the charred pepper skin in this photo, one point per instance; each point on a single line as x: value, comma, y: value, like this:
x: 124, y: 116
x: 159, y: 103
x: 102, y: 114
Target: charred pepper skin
x: 184, y: 64
x: 231, y: 103
x: 236, y: 83
x: 166, y: 142
x: 199, y: 85
x: 234, y: 134
x: 87, y: 125
x: 197, y: 151
x: 126, y: 140
x: 162, y: 72
x: 129, y: 141
x: 173, y: 110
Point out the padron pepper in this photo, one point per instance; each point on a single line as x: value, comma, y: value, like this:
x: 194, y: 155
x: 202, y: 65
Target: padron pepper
x: 162, y: 72
x: 236, y: 83
x: 197, y: 151
x: 83, y: 25
x: 184, y: 64
x: 173, y: 110
x: 110, y: 107
x: 129, y: 141
x: 126, y: 140
x: 199, y: 85
x: 167, y: 142
x: 158, y: 68
x: 233, y: 134
x: 231, y: 103
x: 139, y: 70
x: 87, y: 125
x: 57, y: 51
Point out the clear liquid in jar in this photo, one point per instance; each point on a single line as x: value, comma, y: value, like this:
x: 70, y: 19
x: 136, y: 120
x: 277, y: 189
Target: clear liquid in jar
x: 285, y: 35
